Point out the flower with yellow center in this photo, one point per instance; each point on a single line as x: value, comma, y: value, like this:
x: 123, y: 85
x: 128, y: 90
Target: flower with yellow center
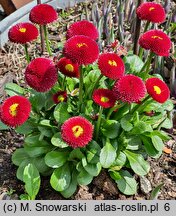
x: 22, y: 30
x: 69, y: 67
x: 104, y: 99
x: 112, y: 63
x: 13, y: 109
x: 81, y: 45
x: 157, y: 37
x: 157, y: 89
x: 77, y: 131
x: 151, y: 8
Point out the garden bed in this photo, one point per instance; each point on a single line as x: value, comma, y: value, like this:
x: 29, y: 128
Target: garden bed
x: 12, y: 65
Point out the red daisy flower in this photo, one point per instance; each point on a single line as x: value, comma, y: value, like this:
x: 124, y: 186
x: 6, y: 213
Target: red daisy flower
x: 60, y: 96
x: 157, y: 89
x: 68, y: 68
x: 111, y: 65
x: 77, y: 132
x: 157, y: 41
x: 81, y: 50
x: 130, y: 88
x: 15, y: 111
x: 152, y: 12
x: 83, y: 27
x: 23, y: 33
x: 43, y: 14
x: 41, y: 74
x: 104, y: 97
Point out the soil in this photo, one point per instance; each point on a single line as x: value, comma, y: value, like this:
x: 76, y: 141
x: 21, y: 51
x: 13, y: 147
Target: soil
x: 12, y: 65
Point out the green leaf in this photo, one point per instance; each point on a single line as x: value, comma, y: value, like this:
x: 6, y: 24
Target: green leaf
x: 93, y: 169
x: 32, y: 138
x: 115, y: 175
x: 76, y: 154
x: 168, y: 124
x: 107, y: 155
x: 157, y: 142
x: 154, y: 194
x: 110, y: 129
x: 14, y: 89
x: 45, y: 131
x: 120, y: 160
x: 32, y: 180
x: 19, y: 156
x: 56, y: 140
x: 45, y: 122
x: 133, y: 63
x: 141, y: 127
x: 125, y: 123
x: 137, y: 163
x: 61, y: 177
x: 38, y: 100
x: 127, y: 184
x: 20, y: 169
x: 72, y: 187
x: 60, y: 113
x: 163, y: 135
x: 134, y: 142
x: 37, y: 149
x: 149, y: 148
x: 84, y: 178
x: 3, y: 126
x: 25, y: 128
x: 56, y: 159
x: 39, y: 162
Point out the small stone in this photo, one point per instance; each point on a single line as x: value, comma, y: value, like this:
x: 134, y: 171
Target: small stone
x: 145, y: 185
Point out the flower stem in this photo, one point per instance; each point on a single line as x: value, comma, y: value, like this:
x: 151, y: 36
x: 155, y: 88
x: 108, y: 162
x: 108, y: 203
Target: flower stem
x: 146, y: 66
x: 117, y: 106
x: 139, y: 106
x: 98, y: 123
x: 26, y: 53
x: 81, y: 88
x: 47, y: 41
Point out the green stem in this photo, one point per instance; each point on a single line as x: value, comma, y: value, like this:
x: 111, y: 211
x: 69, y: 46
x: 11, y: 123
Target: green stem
x: 137, y: 107
x: 26, y: 53
x: 112, y: 110
x: 81, y: 88
x: 90, y: 92
x: 47, y: 41
x: 146, y: 26
x: 64, y: 83
x: 146, y: 67
x: 98, y: 123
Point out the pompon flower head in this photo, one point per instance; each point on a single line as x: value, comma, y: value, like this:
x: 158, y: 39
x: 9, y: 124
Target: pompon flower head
x: 68, y: 68
x: 43, y: 14
x: 83, y: 27
x: 157, y: 89
x: 81, y: 50
x: 130, y: 89
x: 60, y: 96
x: 104, y: 97
x: 77, y: 132
x: 23, y: 33
x: 111, y: 65
x: 15, y: 111
x: 156, y: 41
x: 152, y: 12
x: 41, y: 74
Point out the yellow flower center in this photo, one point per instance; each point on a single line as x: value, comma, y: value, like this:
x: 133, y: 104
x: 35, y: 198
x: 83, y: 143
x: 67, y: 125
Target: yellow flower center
x: 81, y: 45
x: 77, y: 131
x: 151, y: 8
x: 22, y: 30
x: 112, y: 63
x: 157, y: 90
x: 13, y: 109
x: 157, y: 37
x: 60, y: 98
x: 69, y: 67
x: 104, y: 99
